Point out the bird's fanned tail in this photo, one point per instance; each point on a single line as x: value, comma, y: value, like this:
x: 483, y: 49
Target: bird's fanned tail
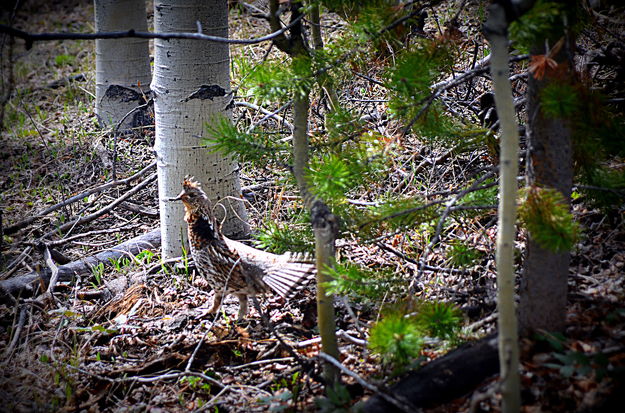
x: 289, y: 278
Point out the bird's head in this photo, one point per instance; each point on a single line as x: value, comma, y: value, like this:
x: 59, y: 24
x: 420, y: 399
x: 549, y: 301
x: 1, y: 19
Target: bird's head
x: 193, y: 198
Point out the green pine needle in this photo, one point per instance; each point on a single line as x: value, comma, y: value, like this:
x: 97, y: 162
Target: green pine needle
x: 277, y: 238
x: 224, y: 137
x: 439, y: 319
x: 362, y: 283
x: 394, y: 214
x: 397, y: 339
x: 559, y: 100
x: 546, y: 216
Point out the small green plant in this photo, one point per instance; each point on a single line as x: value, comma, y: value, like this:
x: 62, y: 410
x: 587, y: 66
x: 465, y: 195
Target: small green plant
x: 194, y: 382
x: 610, y: 187
x: 337, y: 400
x: 485, y: 196
x: 285, y: 393
x: 98, y: 328
x: 397, y: 339
x: 362, y: 283
x: 64, y: 60
x: 330, y: 176
x: 185, y: 261
x: 98, y: 272
x: 257, y: 147
x: 440, y: 319
x: 395, y: 214
x: 462, y: 255
x: 559, y: 100
x: 574, y: 363
x: 277, y: 402
x: 145, y: 257
x: 542, y: 21
x: 120, y: 263
x: 292, y: 384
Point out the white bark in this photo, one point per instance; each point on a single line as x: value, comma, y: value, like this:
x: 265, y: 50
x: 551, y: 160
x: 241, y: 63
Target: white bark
x: 496, y: 31
x: 122, y: 65
x: 191, y: 84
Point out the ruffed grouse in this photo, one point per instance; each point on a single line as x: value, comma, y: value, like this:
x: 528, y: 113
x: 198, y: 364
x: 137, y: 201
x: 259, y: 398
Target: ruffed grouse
x: 231, y: 267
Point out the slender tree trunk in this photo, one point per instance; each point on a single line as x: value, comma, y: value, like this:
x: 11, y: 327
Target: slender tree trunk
x: 550, y: 165
x: 324, y: 223
x: 122, y: 65
x: 191, y: 87
x: 325, y: 81
x: 496, y: 31
x: 325, y: 228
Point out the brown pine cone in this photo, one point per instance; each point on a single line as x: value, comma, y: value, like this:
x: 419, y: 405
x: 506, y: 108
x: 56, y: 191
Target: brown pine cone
x: 231, y: 267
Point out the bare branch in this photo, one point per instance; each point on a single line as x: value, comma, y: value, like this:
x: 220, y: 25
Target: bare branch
x: 30, y: 38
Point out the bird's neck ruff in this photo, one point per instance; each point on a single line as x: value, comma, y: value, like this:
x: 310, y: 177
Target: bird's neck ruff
x: 205, y: 227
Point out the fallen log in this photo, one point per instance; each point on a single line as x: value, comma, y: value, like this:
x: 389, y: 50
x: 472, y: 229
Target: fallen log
x: 444, y: 379
x: 26, y: 285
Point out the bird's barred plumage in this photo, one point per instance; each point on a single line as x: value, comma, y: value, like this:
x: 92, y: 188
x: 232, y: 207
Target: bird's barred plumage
x: 227, y: 271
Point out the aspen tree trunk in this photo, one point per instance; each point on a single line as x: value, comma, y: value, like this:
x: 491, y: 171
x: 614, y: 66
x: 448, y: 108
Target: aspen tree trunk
x: 496, y: 28
x: 122, y: 65
x: 191, y: 86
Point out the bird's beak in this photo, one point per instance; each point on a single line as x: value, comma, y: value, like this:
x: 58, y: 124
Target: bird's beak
x: 178, y: 198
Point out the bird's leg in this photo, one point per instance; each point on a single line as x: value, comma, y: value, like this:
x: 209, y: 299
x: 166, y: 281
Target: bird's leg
x: 219, y: 297
x: 242, y: 305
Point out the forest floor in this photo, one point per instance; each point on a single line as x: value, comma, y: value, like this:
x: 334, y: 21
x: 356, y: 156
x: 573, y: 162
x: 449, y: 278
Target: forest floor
x: 153, y: 347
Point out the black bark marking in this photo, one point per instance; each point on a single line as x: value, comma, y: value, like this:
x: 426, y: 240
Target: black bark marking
x: 122, y: 94
x: 207, y: 92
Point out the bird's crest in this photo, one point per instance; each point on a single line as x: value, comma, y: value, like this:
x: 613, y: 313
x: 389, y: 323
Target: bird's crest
x: 190, y: 184
x: 194, y: 198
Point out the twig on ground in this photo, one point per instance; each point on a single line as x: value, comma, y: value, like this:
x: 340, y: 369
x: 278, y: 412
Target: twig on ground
x: 17, y: 331
x: 12, y: 266
x: 116, y: 132
x: 416, y: 262
x: 270, y: 327
x: 263, y: 119
x: 99, y: 213
x: 480, y: 323
x: 395, y: 400
x: 340, y: 333
x: 439, y: 227
x: 260, y: 363
x: 56, y: 243
x: 439, y: 88
x: 131, y: 206
x: 19, y: 225
x: 269, y: 115
x: 54, y: 269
